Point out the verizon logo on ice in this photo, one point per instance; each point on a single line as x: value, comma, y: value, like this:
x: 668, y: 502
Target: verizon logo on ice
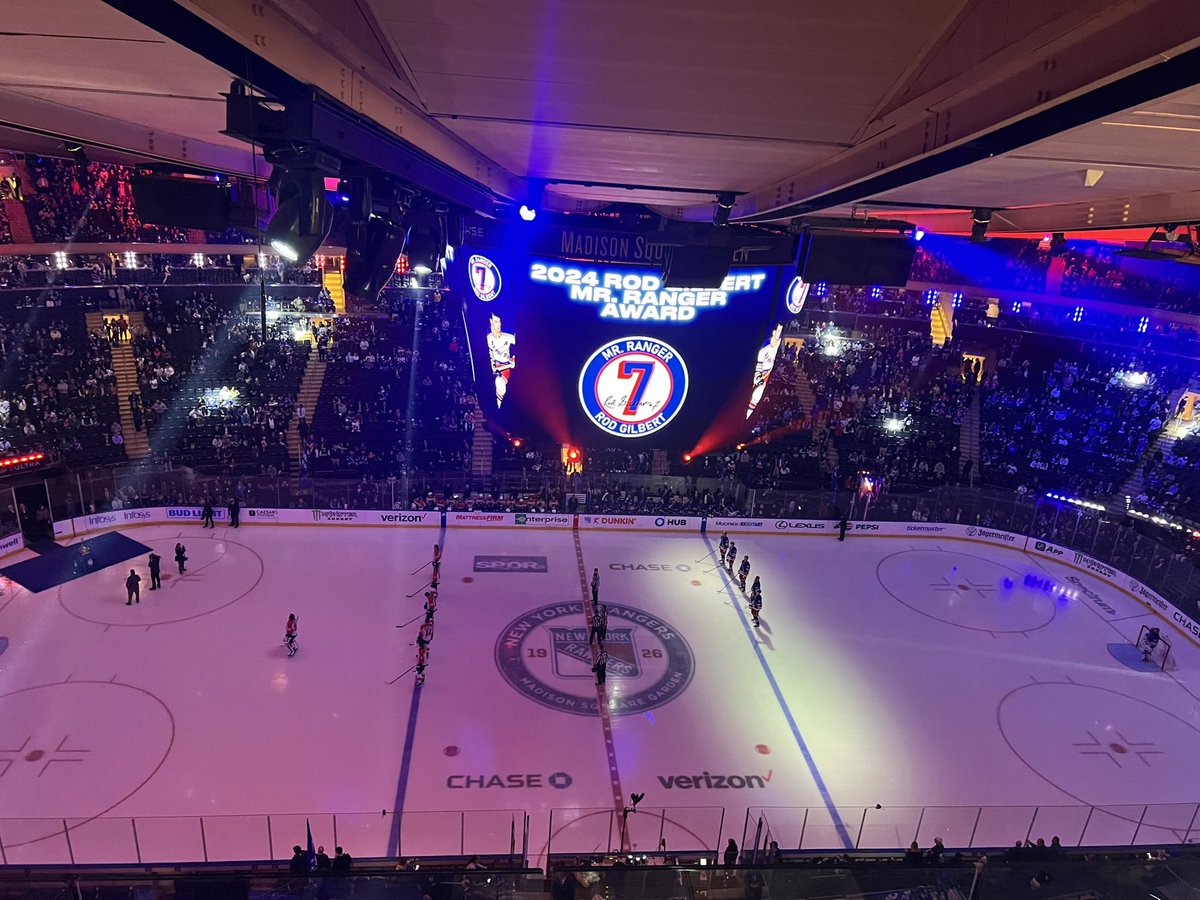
x: 511, y: 564
x: 706, y: 781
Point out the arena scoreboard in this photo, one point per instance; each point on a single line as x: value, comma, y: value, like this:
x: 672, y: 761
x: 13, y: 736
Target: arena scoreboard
x: 602, y: 353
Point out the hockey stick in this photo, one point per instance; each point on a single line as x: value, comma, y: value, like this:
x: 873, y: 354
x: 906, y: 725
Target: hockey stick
x: 421, y: 588
x: 700, y: 560
x: 402, y: 674
x: 418, y: 570
x: 410, y: 621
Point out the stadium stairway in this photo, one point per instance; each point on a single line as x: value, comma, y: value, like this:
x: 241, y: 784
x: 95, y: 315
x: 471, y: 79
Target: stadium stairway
x: 804, y: 395
x: 18, y: 221
x: 1165, y: 441
x: 137, y: 443
x: 333, y: 282
x: 968, y: 434
x: 308, y: 396
x: 482, y: 449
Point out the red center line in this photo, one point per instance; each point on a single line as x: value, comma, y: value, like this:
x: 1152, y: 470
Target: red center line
x: 614, y: 774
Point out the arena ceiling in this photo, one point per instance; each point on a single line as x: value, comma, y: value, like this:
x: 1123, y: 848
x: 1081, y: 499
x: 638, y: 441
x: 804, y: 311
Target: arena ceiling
x: 918, y: 109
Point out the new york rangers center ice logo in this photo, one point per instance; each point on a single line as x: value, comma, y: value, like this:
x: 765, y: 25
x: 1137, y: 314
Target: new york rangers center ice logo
x: 546, y: 656
x: 484, y: 277
x: 633, y: 386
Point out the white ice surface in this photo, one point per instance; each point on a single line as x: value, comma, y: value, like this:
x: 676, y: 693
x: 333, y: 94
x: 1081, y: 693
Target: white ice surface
x: 922, y: 675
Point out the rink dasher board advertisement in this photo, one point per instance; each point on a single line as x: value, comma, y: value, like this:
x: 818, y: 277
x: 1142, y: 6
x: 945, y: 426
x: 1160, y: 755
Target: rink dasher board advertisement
x: 1115, y: 578
x: 681, y: 525
x: 603, y: 354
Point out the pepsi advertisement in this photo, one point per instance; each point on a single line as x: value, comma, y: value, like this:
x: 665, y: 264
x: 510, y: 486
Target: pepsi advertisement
x: 603, y: 354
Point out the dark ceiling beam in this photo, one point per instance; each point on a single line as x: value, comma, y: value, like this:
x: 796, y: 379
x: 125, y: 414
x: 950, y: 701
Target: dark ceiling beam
x: 311, y: 114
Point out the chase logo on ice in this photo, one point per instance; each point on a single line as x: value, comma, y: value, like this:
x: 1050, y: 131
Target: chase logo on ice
x: 633, y: 386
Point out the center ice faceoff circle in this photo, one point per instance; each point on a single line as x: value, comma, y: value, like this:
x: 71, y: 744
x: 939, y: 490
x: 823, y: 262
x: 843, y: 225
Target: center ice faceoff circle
x: 545, y: 655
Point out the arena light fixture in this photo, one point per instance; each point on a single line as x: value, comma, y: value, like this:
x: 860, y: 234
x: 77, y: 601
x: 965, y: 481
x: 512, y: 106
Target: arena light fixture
x: 374, y: 246
x: 981, y: 218
x: 426, y: 240
x: 302, y: 216
x: 725, y: 201
x: 918, y: 234
x: 75, y: 149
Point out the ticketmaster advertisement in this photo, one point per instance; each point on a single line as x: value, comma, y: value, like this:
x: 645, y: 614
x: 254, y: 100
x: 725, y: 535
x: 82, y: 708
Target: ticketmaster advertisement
x: 602, y: 354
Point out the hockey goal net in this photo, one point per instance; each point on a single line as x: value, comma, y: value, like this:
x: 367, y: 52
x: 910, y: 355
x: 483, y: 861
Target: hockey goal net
x: 1159, y: 654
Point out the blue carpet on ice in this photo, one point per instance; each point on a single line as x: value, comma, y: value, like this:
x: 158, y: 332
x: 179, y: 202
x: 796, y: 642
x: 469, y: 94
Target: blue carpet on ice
x: 68, y: 563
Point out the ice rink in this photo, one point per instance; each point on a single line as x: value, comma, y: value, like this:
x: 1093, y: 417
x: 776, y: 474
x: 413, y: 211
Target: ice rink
x: 968, y: 690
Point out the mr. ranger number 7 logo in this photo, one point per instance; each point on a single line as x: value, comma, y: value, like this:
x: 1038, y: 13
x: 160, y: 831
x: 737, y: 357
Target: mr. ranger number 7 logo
x: 633, y: 386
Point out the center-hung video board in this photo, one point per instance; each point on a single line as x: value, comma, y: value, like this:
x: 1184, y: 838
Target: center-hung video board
x: 603, y: 353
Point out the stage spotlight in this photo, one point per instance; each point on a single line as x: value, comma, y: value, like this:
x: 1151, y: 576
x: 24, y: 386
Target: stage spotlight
x: 574, y: 455
x: 426, y: 240
x: 687, y: 457
x: 725, y: 201
x: 980, y: 220
x: 918, y: 234
x: 527, y: 213
x: 302, y: 215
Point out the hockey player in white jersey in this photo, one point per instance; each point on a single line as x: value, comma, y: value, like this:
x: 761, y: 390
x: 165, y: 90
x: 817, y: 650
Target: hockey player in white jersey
x: 763, y: 367
x: 500, y: 353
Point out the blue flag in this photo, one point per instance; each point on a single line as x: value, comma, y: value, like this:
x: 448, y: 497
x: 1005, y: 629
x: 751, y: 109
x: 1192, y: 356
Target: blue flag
x: 312, y: 851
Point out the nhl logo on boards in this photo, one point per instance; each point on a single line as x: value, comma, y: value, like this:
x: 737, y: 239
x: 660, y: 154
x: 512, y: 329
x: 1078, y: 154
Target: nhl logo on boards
x: 484, y: 277
x: 633, y: 386
x: 546, y: 656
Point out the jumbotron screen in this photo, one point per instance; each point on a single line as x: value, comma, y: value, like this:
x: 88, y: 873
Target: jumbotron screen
x: 602, y: 354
